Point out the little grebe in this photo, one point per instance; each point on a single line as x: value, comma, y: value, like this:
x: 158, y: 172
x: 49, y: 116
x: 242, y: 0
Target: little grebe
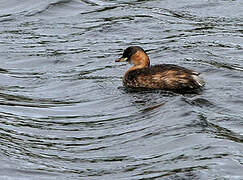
x: 163, y: 76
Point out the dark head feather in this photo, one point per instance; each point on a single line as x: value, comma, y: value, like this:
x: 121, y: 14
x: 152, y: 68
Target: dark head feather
x: 131, y: 51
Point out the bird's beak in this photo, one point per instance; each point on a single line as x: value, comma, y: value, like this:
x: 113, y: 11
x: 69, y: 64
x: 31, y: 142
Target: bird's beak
x: 122, y: 59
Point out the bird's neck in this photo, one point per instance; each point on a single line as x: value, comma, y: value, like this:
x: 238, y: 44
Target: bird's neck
x: 139, y: 60
x: 140, y: 66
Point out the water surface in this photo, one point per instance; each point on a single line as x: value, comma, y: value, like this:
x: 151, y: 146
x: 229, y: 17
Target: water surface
x: 65, y: 115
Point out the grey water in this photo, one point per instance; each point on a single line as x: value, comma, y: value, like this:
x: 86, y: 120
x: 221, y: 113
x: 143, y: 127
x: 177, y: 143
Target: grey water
x: 64, y: 113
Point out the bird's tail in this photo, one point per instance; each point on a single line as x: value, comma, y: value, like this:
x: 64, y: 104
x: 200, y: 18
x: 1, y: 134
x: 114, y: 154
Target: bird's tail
x: 198, y: 80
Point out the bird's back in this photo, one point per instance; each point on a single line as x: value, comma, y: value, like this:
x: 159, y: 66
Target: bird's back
x: 164, y: 76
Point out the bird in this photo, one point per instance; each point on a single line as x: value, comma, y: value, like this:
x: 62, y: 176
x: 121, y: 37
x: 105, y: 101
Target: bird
x: 169, y: 77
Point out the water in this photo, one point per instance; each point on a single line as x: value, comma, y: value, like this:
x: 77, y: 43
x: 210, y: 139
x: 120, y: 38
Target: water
x: 65, y: 115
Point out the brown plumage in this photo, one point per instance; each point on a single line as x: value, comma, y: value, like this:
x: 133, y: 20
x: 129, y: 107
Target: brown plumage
x: 164, y: 76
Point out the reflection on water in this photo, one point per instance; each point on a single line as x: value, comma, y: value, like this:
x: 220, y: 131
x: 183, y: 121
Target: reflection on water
x: 64, y: 112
